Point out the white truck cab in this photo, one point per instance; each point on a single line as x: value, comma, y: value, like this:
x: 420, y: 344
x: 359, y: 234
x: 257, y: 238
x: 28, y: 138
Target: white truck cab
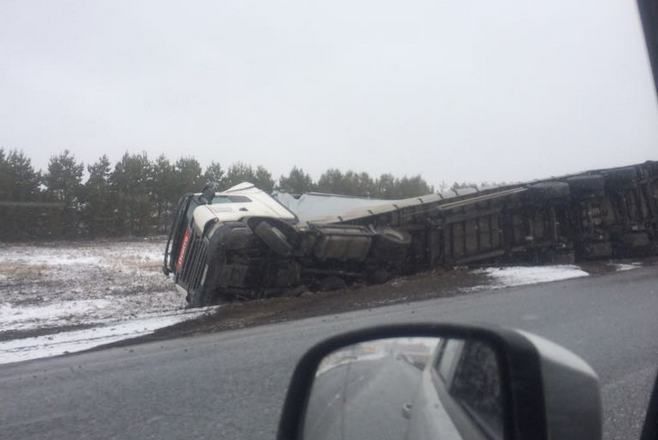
x: 240, y: 201
x: 243, y: 244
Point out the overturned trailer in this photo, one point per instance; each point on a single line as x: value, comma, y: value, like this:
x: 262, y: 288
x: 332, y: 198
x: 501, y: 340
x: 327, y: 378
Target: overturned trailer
x: 244, y: 244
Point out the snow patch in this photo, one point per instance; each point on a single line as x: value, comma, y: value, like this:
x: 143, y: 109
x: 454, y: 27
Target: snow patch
x: 50, y: 260
x: 622, y: 267
x: 114, y: 290
x: 24, y: 349
x: 524, y: 275
x: 13, y: 317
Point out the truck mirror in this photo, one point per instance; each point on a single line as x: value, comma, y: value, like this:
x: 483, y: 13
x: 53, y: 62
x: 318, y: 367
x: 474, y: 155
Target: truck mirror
x: 208, y: 193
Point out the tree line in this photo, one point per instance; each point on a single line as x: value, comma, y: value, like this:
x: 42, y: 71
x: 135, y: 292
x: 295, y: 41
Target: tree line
x: 137, y: 196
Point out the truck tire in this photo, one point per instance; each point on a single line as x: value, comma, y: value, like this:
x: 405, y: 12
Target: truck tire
x: 545, y: 191
x: 273, y: 238
x: 594, y: 184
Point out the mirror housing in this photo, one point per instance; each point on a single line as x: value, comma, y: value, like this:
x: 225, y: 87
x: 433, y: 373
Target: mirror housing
x: 551, y: 392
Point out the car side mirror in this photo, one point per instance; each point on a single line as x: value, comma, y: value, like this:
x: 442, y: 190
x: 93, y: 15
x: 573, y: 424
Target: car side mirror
x: 429, y: 381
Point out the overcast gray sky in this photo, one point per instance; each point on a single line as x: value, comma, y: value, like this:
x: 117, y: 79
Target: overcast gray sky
x: 454, y: 90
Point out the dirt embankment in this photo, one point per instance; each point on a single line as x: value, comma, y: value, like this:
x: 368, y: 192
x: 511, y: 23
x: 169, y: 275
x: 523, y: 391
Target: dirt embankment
x: 435, y: 284
x: 267, y: 311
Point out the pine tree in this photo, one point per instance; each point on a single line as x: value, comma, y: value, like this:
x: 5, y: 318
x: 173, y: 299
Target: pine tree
x: 387, y: 187
x: 99, y: 200
x: 23, y: 181
x: 263, y: 179
x: 238, y: 173
x: 297, y: 182
x: 214, y: 174
x: 19, y: 185
x: 187, y: 172
x: 63, y: 183
x: 413, y: 187
x: 332, y: 182
x: 131, y: 181
x: 164, y: 191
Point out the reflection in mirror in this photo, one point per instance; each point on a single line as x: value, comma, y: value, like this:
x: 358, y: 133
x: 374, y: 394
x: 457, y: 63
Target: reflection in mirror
x: 407, y: 388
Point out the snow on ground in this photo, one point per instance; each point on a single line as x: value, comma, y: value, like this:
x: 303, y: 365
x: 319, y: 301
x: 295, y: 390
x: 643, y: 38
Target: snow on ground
x: 22, y: 349
x: 26, y: 317
x: 622, y: 267
x: 67, y: 297
x: 522, y: 275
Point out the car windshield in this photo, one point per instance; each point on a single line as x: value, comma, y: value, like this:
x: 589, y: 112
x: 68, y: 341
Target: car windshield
x: 193, y: 194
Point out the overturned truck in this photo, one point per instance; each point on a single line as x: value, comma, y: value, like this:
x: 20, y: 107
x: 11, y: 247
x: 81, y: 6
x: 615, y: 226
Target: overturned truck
x: 244, y: 244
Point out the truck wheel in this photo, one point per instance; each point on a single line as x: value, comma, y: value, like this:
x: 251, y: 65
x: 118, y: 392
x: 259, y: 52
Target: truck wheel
x: 545, y: 191
x: 586, y: 184
x: 273, y: 238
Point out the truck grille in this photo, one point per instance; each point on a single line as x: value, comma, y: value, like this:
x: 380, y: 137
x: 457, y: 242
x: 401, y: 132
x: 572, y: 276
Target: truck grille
x: 195, y: 262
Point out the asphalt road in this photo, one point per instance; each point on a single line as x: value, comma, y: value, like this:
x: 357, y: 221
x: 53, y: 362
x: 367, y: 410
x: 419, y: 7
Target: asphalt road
x: 231, y: 385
